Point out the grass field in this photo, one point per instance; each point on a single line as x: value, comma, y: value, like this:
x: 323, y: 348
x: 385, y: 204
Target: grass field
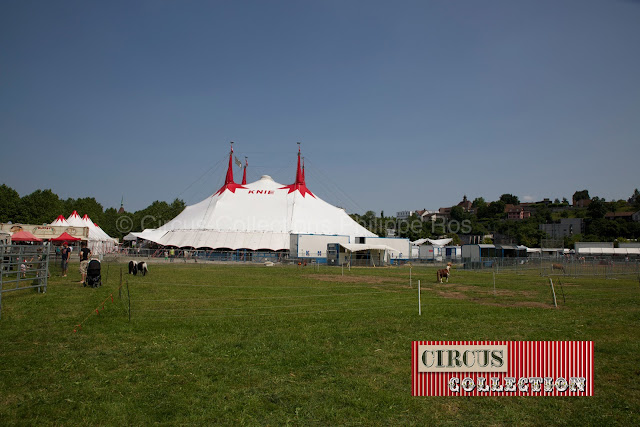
x: 233, y: 344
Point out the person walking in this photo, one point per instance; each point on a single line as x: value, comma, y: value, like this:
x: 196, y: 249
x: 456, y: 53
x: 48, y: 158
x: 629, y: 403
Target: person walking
x: 65, y: 252
x: 85, y: 253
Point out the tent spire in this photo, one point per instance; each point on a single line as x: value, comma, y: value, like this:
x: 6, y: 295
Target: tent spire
x: 299, y: 184
x: 303, y: 178
x: 244, y: 173
x: 299, y: 179
x: 229, y: 178
x: 228, y: 181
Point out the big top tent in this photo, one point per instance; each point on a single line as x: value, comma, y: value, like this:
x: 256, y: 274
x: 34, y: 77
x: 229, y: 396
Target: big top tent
x: 257, y: 216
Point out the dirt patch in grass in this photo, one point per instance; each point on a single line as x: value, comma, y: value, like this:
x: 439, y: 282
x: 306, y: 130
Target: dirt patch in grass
x: 480, y: 290
x: 455, y: 291
x: 353, y: 279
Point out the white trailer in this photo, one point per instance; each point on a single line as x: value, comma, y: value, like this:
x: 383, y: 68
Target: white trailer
x: 313, y: 245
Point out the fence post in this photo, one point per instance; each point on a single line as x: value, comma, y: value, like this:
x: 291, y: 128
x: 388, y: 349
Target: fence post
x: 419, y: 302
x: 45, y: 275
x: 554, y: 293
x: 494, y: 283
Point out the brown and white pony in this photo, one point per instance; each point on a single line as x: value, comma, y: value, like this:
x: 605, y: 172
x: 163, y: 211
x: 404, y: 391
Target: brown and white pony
x: 443, y: 273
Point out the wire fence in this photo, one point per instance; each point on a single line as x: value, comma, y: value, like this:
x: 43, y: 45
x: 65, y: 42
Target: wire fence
x: 607, y: 267
x: 23, y: 267
x: 200, y: 255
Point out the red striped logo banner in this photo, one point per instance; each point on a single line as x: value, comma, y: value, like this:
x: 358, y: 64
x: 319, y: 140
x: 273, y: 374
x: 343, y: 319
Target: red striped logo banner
x: 502, y: 368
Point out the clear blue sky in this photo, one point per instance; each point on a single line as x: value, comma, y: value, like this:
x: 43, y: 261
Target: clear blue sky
x: 399, y: 104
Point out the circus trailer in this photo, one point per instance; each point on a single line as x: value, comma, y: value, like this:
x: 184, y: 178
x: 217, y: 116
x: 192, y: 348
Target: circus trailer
x: 431, y: 252
x: 453, y: 253
x: 313, y: 246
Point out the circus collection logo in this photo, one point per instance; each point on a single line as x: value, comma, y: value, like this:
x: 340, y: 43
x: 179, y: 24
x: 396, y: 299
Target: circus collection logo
x: 502, y: 368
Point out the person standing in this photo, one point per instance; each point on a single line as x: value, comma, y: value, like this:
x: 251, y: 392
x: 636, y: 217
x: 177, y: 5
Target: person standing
x: 85, y: 253
x: 65, y: 252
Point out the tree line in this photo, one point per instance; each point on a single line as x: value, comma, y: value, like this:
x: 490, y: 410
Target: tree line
x: 44, y: 206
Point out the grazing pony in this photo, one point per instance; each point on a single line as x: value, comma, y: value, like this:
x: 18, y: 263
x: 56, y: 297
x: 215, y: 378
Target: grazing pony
x: 133, y: 267
x: 443, y: 273
x: 142, y: 268
x: 557, y: 267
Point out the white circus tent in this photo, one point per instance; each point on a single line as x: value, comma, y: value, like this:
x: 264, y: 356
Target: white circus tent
x: 60, y: 221
x: 257, y: 216
x: 99, y: 242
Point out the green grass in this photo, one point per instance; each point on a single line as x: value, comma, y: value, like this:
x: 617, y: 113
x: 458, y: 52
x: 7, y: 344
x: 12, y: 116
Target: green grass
x: 232, y: 344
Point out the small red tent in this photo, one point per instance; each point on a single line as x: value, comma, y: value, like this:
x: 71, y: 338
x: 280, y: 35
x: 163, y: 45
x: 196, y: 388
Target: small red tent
x: 65, y: 237
x: 24, y: 236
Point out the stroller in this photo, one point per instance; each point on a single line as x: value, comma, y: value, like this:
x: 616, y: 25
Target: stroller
x: 93, y: 274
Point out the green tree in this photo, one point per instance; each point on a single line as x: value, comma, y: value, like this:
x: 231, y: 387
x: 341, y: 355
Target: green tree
x: 597, y: 209
x: 457, y: 213
x: 478, y: 202
x: 9, y: 204
x: 39, y: 207
x: 510, y: 199
x: 84, y: 206
x: 176, y: 207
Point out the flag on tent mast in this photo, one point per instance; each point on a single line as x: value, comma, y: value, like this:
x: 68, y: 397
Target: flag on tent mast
x: 229, y: 184
x: 238, y: 162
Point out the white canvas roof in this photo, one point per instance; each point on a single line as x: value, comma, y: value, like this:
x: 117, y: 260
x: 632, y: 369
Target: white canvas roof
x: 258, y: 215
x: 60, y: 221
x: 434, y: 242
x: 357, y: 247
x: 608, y: 251
x: 99, y: 241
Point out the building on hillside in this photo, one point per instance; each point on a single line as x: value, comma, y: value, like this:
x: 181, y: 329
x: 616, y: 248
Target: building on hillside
x: 583, y: 203
x: 566, y: 227
x: 627, y: 216
x: 466, y: 204
x: 518, y: 213
x: 404, y: 214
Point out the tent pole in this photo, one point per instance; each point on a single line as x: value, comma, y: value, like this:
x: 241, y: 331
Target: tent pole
x: 419, y: 302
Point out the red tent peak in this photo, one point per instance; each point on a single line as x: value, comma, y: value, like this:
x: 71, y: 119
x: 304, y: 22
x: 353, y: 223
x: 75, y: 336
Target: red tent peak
x: 228, y: 181
x: 75, y: 213
x: 85, y: 216
x: 300, y: 184
x: 244, y: 172
x: 61, y: 218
